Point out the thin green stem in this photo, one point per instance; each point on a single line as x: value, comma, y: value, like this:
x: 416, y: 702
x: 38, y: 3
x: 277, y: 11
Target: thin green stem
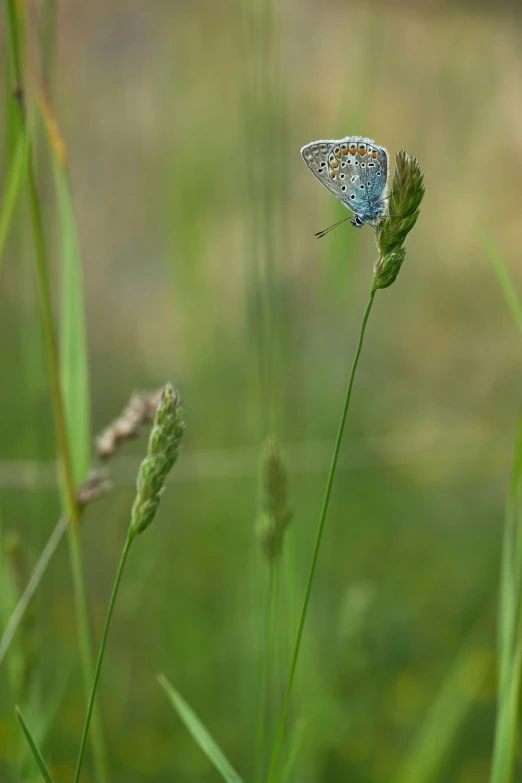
x: 281, y: 728
x: 268, y: 653
x: 62, y: 437
x: 25, y: 599
x: 101, y: 652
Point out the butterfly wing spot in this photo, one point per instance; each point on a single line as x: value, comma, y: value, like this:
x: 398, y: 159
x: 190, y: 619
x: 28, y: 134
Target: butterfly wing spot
x: 332, y: 174
x: 334, y: 164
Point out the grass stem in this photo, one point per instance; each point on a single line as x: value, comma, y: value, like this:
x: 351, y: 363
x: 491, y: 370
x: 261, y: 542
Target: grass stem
x: 286, y: 703
x: 268, y: 653
x: 101, y: 652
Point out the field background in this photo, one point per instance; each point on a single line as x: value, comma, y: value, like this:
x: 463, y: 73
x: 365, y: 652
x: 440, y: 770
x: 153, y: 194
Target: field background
x: 196, y: 215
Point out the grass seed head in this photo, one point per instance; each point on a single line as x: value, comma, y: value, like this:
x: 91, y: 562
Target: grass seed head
x: 164, y: 446
x: 404, y: 207
x: 140, y: 411
x: 275, y: 514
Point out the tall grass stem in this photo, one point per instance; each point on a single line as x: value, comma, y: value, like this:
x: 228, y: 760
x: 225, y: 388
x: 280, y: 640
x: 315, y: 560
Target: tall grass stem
x: 42, y: 266
x: 99, y: 661
x: 320, y: 528
x: 268, y: 653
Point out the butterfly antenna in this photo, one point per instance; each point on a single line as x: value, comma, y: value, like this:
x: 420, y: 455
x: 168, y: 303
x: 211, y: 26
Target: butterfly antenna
x: 325, y: 231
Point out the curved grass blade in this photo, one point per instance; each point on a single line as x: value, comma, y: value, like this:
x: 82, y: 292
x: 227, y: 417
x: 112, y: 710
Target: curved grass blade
x: 34, y: 748
x: 199, y: 733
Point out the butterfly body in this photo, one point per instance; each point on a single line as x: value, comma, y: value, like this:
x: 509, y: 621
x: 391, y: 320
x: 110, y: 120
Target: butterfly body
x: 354, y: 170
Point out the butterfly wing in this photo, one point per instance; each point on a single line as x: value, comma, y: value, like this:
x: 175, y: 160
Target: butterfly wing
x: 353, y: 169
x: 318, y: 156
x: 376, y: 173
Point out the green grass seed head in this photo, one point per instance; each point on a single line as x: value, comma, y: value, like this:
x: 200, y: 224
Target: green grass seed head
x: 275, y: 515
x: 164, y: 446
x: 404, y: 207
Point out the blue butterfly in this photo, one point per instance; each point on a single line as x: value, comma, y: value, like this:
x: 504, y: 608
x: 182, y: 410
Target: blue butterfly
x: 355, y: 170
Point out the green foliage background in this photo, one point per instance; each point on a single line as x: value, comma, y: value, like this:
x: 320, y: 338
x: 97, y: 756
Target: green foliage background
x: 195, y: 218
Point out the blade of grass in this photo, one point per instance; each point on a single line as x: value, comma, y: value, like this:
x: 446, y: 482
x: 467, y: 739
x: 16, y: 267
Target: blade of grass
x: 75, y: 377
x: 73, y: 342
x: 34, y: 748
x: 199, y: 732
x: 510, y: 602
x: 25, y: 599
x: 13, y: 188
x: 510, y: 630
x: 504, y: 278
x: 72, y: 510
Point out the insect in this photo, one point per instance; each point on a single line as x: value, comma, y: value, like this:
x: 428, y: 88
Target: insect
x: 354, y: 170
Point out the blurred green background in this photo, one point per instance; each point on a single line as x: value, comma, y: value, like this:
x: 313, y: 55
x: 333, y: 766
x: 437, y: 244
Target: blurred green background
x: 196, y: 215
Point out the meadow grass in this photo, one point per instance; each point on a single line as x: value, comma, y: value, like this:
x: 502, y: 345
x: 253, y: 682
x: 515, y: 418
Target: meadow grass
x: 73, y: 397
x: 507, y: 726
x: 339, y: 702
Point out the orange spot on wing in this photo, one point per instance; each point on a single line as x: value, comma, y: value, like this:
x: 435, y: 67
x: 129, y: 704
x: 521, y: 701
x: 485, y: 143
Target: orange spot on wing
x: 334, y: 164
x: 332, y: 174
x: 338, y: 154
x: 362, y: 149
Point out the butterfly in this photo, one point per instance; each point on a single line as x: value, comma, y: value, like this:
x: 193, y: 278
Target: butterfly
x: 354, y: 170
